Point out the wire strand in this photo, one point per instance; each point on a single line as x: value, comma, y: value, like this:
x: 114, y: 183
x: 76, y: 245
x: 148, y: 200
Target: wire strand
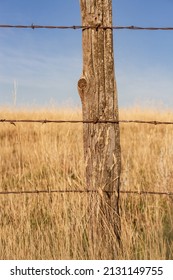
x: 45, y: 121
x: 75, y: 27
x: 84, y: 191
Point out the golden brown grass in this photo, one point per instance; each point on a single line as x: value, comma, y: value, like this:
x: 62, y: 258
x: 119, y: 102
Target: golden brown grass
x: 56, y: 226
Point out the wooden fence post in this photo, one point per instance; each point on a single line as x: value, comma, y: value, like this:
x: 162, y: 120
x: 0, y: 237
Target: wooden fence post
x: 98, y: 93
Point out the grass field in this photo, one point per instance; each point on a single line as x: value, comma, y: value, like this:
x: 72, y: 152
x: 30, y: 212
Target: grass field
x: 56, y: 226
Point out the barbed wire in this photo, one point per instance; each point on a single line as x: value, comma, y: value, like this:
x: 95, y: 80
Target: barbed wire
x: 96, y: 121
x: 49, y: 191
x: 75, y: 27
x: 153, y: 122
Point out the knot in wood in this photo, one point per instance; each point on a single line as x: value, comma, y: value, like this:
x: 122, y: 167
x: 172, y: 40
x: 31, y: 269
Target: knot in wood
x: 82, y: 83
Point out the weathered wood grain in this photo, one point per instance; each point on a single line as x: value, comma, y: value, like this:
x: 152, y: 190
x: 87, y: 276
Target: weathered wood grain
x: 98, y: 93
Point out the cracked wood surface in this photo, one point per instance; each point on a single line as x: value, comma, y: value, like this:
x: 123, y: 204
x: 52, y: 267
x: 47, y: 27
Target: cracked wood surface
x: 98, y: 93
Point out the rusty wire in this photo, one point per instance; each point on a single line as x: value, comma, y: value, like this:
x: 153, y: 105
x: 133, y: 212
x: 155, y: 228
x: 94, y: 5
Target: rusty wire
x: 96, y: 121
x: 14, y: 121
x: 131, y: 27
x: 49, y: 191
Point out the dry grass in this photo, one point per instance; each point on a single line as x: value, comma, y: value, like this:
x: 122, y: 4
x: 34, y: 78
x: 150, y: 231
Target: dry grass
x: 56, y: 226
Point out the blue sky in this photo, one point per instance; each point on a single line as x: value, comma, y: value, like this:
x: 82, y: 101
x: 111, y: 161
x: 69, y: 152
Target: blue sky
x: 46, y: 64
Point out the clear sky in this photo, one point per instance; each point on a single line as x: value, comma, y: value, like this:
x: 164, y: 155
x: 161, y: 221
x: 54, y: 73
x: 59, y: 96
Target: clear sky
x: 46, y: 64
